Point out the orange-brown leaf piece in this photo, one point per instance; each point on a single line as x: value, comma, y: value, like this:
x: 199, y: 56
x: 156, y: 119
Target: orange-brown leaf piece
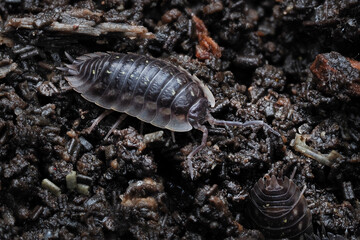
x: 207, y: 46
x: 337, y: 75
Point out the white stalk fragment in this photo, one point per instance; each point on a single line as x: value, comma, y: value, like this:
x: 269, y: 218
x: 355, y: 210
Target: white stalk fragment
x: 326, y: 159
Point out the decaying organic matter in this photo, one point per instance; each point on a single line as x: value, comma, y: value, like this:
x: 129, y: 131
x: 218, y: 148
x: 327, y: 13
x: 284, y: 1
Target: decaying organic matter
x: 291, y: 64
x: 337, y: 75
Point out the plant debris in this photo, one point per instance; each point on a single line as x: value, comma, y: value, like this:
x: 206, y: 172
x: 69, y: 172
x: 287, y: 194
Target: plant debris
x: 327, y: 159
x: 292, y: 64
x: 207, y: 45
x: 6, y: 66
x: 77, y: 21
x: 47, y: 184
x: 337, y: 75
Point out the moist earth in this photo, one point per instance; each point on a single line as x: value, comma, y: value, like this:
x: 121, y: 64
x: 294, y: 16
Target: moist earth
x: 293, y: 64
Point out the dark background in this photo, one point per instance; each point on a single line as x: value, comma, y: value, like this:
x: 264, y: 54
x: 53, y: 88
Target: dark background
x: 141, y: 190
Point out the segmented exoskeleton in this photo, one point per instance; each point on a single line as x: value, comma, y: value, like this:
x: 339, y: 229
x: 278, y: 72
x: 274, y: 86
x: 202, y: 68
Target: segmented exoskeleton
x: 153, y: 90
x: 279, y: 208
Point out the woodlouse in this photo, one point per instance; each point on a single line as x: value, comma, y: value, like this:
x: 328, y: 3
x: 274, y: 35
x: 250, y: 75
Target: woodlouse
x: 279, y: 208
x: 153, y: 90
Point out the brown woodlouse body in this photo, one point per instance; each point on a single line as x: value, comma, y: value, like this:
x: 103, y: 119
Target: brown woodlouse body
x: 279, y: 209
x: 153, y: 90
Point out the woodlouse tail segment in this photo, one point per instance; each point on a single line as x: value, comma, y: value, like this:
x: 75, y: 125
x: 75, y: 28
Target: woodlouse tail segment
x: 63, y: 69
x: 273, y: 183
x: 72, y: 68
x: 69, y: 68
x: 71, y: 59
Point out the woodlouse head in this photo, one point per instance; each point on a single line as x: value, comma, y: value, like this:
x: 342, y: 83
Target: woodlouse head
x: 198, y: 112
x: 279, y: 209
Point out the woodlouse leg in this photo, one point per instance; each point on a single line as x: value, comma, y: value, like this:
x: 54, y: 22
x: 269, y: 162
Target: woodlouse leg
x: 141, y: 127
x: 121, y: 118
x: 197, y: 149
x: 97, y: 120
x: 173, y: 136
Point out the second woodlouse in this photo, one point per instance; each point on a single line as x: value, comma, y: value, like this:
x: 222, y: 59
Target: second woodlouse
x: 153, y: 90
x: 279, y: 209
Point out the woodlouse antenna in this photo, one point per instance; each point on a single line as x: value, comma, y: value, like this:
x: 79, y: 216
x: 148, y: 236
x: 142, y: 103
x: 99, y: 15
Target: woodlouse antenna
x: 214, y: 121
x: 260, y: 123
x: 293, y: 173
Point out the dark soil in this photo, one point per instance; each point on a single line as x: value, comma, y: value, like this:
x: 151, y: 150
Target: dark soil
x: 293, y: 64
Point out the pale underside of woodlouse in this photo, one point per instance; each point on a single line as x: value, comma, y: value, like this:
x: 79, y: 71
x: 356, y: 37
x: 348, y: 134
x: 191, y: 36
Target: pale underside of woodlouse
x: 152, y: 90
x: 279, y: 209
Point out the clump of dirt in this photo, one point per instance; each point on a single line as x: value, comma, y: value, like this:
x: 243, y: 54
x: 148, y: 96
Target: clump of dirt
x: 292, y: 64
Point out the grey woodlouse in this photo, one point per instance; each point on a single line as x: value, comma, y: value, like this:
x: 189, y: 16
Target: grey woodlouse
x: 279, y: 209
x: 153, y: 90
